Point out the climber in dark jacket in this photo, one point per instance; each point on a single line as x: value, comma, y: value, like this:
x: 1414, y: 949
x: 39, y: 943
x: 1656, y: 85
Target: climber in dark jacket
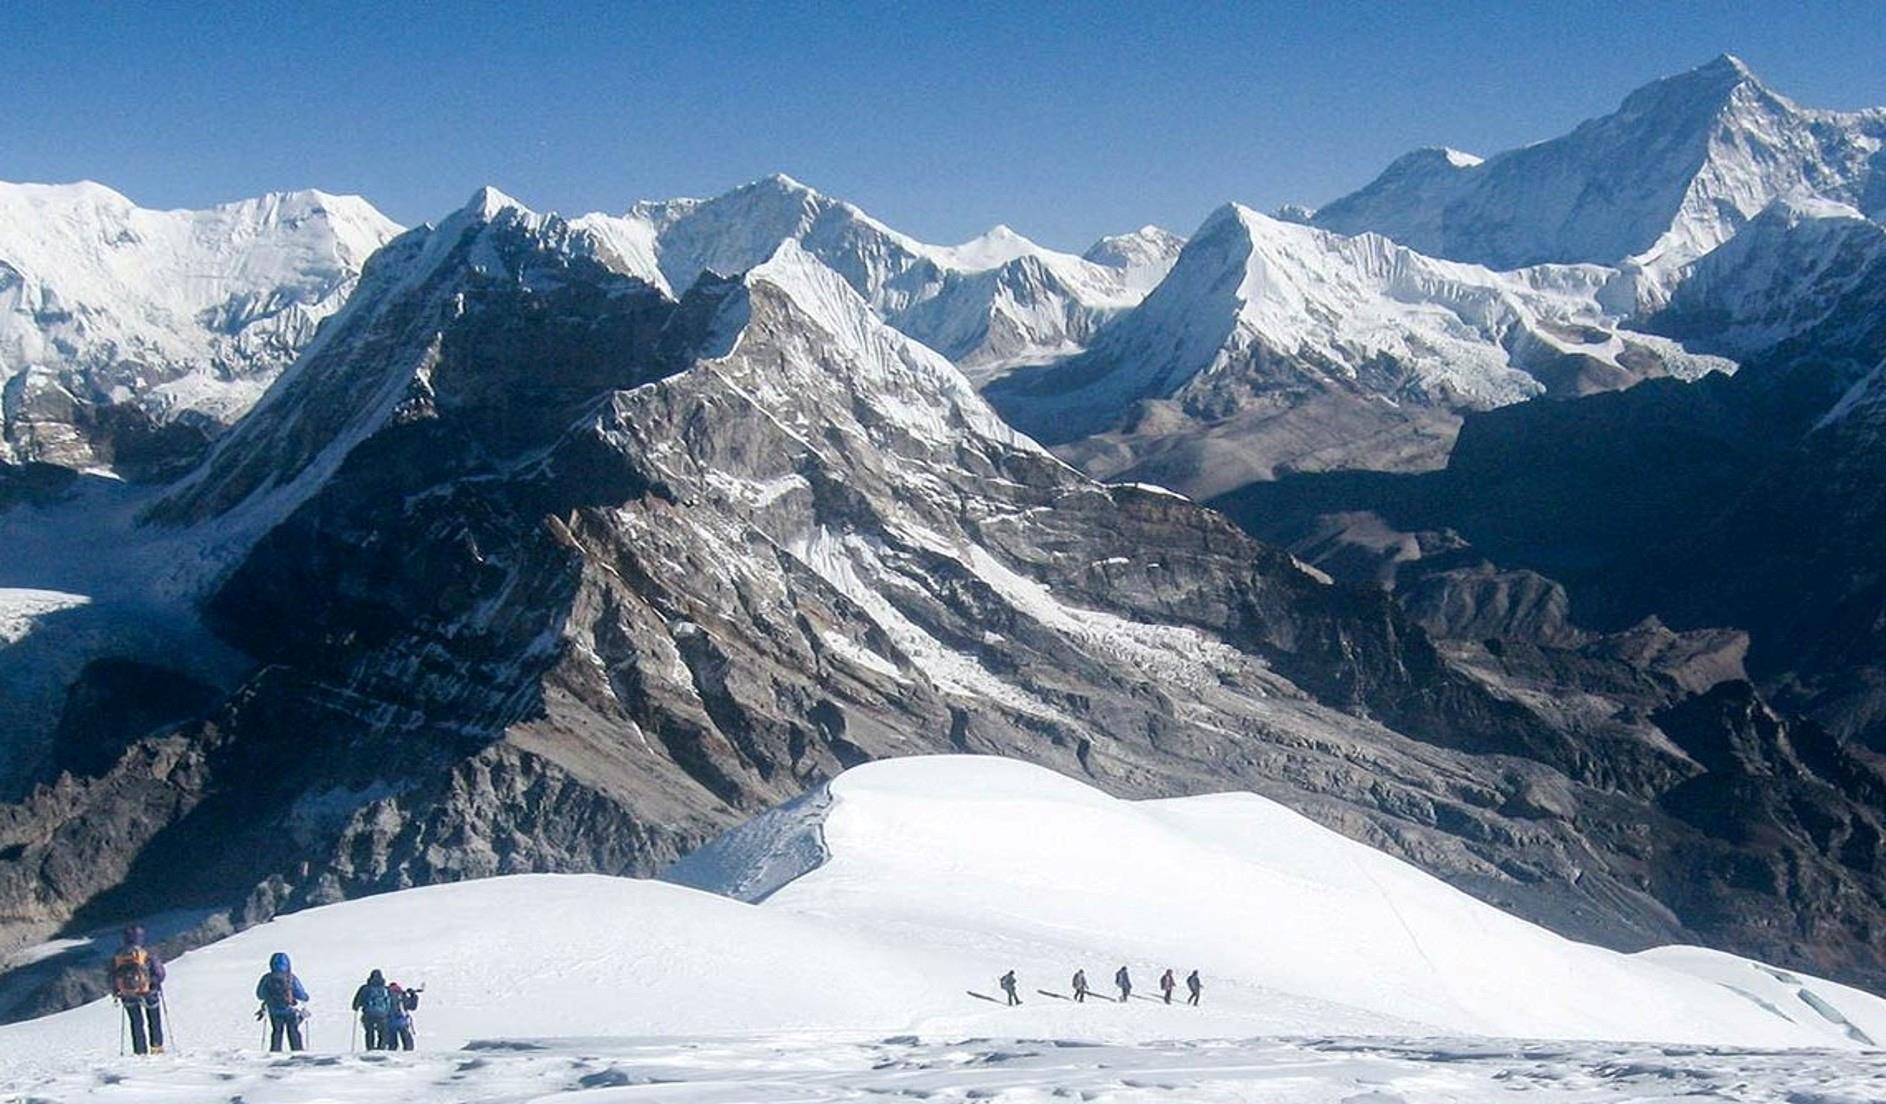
x: 1125, y: 981
x: 374, y: 1002
x: 282, y: 997
x: 1193, y: 986
x: 137, y: 983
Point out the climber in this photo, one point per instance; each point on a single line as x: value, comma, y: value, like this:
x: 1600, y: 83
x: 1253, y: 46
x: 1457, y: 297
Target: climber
x: 399, y: 1022
x: 374, y: 1002
x: 137, y: 983
x: 282, y: 997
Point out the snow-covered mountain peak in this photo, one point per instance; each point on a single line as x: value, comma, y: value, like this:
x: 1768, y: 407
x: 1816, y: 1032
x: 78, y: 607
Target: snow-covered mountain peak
x: 995, y: 300
x: 1711, y: 86
x: 45, y: 195
x: 488, y: 203
x: 1145, y: 255
x: 909, y: 383
x: 1429, y: 158
x: 1266, y: 333
x: 786, y: 183
x: 106, y: 302
x: 1675, y: 171
x: 991, y: 249
x: 1791, y: 268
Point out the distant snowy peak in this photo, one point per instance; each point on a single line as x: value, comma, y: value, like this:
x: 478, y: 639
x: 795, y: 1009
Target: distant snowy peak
x: 1674, y: 172
x: 993, y: 248
x: 1340, y: 306
x: 1792, y: 268
x: 1145, y: 255
x: 996, y: 299
x: 103, y: 301
x: 1261, y: 321
x: 1460, y: 334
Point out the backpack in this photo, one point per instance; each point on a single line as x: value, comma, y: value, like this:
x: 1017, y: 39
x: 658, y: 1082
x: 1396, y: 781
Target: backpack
x: 409, y: 999
x: 280, y: 988
x: 377, y: 1002
x: 131, y: 973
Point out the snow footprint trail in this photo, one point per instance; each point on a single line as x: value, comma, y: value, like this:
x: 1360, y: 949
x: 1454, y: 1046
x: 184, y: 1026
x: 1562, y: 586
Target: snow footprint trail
x: 801, y: 1069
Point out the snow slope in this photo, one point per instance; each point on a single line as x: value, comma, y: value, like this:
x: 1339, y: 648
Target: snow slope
x: 924, y: 878
x: 175, y: 310
x: 940, y: 872
x: 1016, y: 865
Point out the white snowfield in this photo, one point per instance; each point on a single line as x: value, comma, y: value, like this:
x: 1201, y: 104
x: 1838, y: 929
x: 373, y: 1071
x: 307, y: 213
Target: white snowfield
x: 887, y: 900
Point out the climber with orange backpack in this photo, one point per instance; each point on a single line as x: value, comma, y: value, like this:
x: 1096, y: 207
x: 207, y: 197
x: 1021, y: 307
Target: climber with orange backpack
x: 137, y: 983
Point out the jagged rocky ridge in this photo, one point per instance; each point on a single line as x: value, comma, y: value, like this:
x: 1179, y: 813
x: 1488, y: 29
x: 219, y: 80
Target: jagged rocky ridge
x: 542, y: 570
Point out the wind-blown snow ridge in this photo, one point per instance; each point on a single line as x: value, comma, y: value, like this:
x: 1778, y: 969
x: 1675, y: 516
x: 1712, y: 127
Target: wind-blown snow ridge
x: 1054, y: 874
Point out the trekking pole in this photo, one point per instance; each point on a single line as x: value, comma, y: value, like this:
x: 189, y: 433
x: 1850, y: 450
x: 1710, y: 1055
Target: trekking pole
x: 121, y: 1019
x: 170, y: 1025
x: 352, y: 1032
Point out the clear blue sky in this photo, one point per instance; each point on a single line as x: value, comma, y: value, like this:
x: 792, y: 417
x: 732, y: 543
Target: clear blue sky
x: 1065, y: 121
